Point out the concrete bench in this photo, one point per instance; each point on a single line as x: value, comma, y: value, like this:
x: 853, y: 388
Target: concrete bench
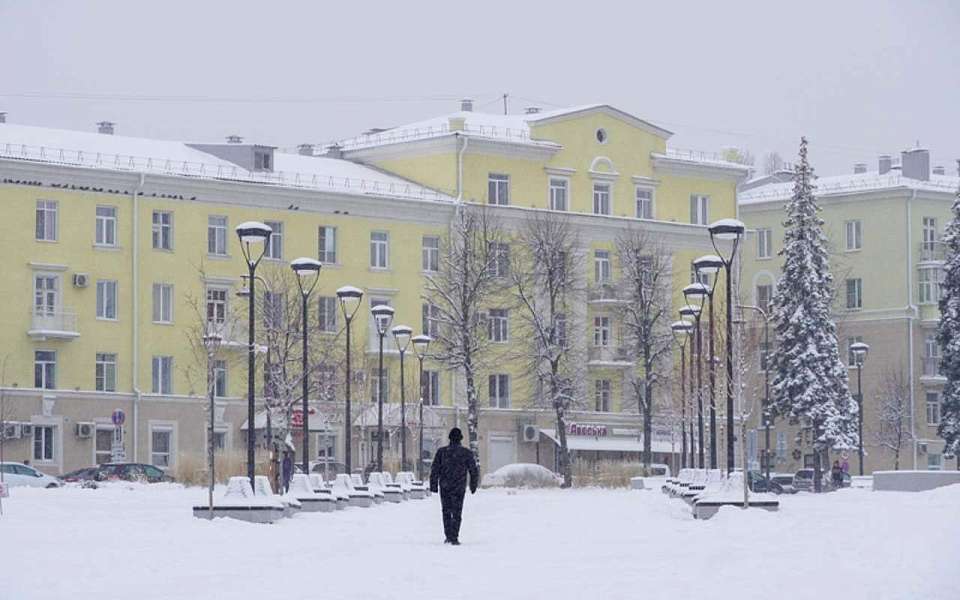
x: 302, y: 490
x: 360, y: 498
x: 263, y: 489
x: 418, y: 491
x: 390, y: 493
x: 239, y: 502
x: 913, y: 481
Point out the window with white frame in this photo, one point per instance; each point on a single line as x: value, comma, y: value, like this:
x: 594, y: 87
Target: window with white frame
x: 430, y: 319
x: 161, y: 446
x: 162, y: 230
x: 328, y: 313
x: 274, y: 247
x: 45, y: 369
x: 601, y: 331
x: 560, y: 330
x: 431, y: 388
x: 497, y: 328
x: 500, y: 259
x: 46, y: 294
x: 559, y: 187
x: 220, y: 378
x: 698, y: 276
x: 764, y: 243
x: 274, y: 309
x: 44, y: 443
x: 217, y: 235
x: 46, y: 229
x: 379, y: 249
x: 498, y: 189
x: 106, y: 226
x: 216, y: 305
x: 163, y: 303
x: 162, y: 375
x: 106, y: 299
x: 781, y: 445
x: 326, y: 446
x: 929, y: 234
x: 854, y: 293
x: 853, y: 235
x: 105, y: 372
x: 375, y: 385
x: 644, y: 197
x: 601, y: 395
x: 431, y: 254
x: 699, y: 209
x: 934, y: 461
x: 327, y: 244
x: 601, y: 266
x: 601, y: 198
x: 933, y: 408
x: 764, y: 294
x: 929, y: 280
x: 498, y: 386
x: 103, y: 445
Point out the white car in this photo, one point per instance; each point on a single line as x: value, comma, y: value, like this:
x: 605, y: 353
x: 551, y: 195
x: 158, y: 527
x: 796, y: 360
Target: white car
x: 19, y: 474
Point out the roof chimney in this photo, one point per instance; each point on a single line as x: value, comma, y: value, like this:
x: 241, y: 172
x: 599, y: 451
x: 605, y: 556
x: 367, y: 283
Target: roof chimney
x: 305, y: 149
x: 334, y: 150
x: 234, y: 139
x: 106, y: 127
x: 885, y: 163
x: 3, y: 117
x: 532, y: 110
x: 466, y: 105
x: 916, y: 163
x: 859, y: 168
x: 939, y: 170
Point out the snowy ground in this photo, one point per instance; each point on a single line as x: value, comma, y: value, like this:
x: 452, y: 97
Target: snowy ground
x: 137, y: 543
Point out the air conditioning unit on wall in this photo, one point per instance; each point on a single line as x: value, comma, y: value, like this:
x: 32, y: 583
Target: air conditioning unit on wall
x: 26, y: 429
x: 81, y: 280
x: 11, y: 431
x: 922, y: 448
x: 530, y: 433
x: 85, y: 430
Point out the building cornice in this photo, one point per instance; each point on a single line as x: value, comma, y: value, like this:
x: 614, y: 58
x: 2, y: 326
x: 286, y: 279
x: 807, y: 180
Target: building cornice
x: 447, y: 144
x: 692, y: 168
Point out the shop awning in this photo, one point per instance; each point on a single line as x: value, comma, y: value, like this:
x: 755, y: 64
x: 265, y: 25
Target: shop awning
x: 318, y: 421
x: 391, y: 416
x: 610, y: 444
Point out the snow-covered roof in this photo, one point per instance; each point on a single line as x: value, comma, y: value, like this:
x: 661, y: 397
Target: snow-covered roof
x: 125, y: 153
x: 850, y: 184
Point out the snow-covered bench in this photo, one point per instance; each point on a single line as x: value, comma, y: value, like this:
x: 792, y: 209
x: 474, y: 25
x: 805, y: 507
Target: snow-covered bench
x: 323, y: 488
x: 700, y: 483
x: 390, y: 483
x: 418, y: 491
x: 683, y: 480
x: 391, y: 493
x: 302, y: 490
x: 239, y: 502
x: 357, y: 480
x: 730, y: 493
x: 262, y: 488
x: 343, y: 485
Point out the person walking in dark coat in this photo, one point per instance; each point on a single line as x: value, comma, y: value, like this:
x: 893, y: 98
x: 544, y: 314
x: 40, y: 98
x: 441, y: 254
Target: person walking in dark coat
x: 287, y: 471
x: 448, y: 475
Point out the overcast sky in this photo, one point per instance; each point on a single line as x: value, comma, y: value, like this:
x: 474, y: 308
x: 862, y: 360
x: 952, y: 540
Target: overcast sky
x: 857, y: 78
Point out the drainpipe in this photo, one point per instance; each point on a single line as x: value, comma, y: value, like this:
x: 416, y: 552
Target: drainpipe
x: 463, y: 148
x: 135, y: 308
x: 912, y: 310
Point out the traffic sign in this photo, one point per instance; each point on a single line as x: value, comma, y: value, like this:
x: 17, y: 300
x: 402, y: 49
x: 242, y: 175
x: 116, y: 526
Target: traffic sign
x: 118, y: 417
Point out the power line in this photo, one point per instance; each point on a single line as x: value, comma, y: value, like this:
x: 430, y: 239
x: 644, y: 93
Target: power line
x: 235, y: 99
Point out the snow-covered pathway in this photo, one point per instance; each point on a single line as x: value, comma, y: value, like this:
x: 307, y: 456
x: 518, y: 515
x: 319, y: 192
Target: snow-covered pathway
x: 141, y: 542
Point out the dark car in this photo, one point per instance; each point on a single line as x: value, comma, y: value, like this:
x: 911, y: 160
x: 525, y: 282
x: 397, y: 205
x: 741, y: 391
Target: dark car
x: 759, y: 484
x: 130, y: 472
x: 81, y: 475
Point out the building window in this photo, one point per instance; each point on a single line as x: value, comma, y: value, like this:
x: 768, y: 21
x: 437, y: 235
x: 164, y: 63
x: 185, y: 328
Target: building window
x: 431, y: 388
x: 934, y: 461
x: 261, y: 161
x: 781, y: 446
x: 601, y: 331
x: 103, y: 451
x: 162, y: 230
x: 47, y: 220
x: 216, y: 306
x: 274, y: 248
x: 928, y: 282
x: 46, y: 295
x: 931, y: 355
x: 45, y: 369
x: 328, y: 314
x: 162, y: 375
x: 851, y: 357
x: 274, y: 310
x: 558, y: 193
x: 644, y: 197
x: 500, y: 259
x: 162, y: 303
x: 220, y: 378
x: 43, y: 443
x: 601, y: 266
x: 854, y: 293
x: 106, y: 372
x: 698, y: 277
x: 106, y: 299
x: 217, y: 235
x: 601, y: 198
x: 161, y: 447
x: 498, y: 189
x: 764, y: 243
x: 929, y: 235
x: 499, y: 387
x: 431, y: 253
x: 106, y: 226
x: 375, y: 385
x: 764, y: 293
x: 933, y: 408
x: 379, y: 249
x: 497, y: 325
x: 601, y: 395
x: 327, y: 244
x: 699, y: 209
x: 327, y: 382
x: 430, y: 323
x: 560, y: 330
x: 853, y: 235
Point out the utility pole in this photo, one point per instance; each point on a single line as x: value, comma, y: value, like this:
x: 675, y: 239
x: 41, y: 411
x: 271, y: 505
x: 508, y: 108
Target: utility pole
x: 505, y: 104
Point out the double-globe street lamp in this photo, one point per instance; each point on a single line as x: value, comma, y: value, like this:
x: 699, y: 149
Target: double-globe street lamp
x: 859, y: 350
x: 681, y: 333
x: 253, y: 243
x: 728, y: 230
x: 401, y: 336
x: 687, y: 312
x: 420, y: 345
x: 308, y: 274
x: 382, y: 317
x: 349, y: 298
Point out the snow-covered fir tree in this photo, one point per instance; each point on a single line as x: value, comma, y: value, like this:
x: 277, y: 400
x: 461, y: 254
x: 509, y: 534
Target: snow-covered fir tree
x: 810, y: 379
x: 948, y: 336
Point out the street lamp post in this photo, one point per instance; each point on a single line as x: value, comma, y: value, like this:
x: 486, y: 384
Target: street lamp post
x: 252, y: 234
x: 696, y: 294
x: 420, y: 345
x: 305, y: 268
x: 401, y: 335
x: 681, y: 333
x: 349, y: 298
x: 767, y: 409
x: 382, y: 317
x: 709, y: 265
x: 692, y: 311
x: 860, y: 351
x: 211, y: 343
x: 728, y: 230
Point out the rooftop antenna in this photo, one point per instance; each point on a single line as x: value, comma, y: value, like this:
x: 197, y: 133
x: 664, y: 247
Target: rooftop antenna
x: 505, y: 103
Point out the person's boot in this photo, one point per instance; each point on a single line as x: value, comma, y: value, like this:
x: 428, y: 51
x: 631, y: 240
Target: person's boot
x: 454, y: 542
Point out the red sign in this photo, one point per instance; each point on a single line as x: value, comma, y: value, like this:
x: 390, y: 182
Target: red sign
x: 587, y: 430
x: 296, y: 419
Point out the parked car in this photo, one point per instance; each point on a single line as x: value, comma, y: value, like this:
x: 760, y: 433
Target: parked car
x: 81, y: 475
x: 759, y: 483
x: 785, y: 481
x: 803, y: 480
x: 20, y: 475
x: 659, y: 470
x: 131, y: 472
x: 330, y: 468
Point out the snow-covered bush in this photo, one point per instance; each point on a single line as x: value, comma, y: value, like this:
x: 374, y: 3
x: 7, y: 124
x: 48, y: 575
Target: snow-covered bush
x: 522, y: 475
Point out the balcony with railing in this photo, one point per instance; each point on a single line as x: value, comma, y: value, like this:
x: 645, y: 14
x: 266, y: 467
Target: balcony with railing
x: 605, y: 293
x: 932, y: 251
x: 609, y: 356
x: 53, y: 325
x: 932, y: 366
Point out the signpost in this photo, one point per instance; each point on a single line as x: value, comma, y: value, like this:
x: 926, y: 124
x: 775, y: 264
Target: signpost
x: 117, y: 453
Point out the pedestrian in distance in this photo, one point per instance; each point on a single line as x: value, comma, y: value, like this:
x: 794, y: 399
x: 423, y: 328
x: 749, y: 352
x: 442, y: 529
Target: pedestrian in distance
x: 448, y: 476
x: 836, y: 474
x: 287, y: 471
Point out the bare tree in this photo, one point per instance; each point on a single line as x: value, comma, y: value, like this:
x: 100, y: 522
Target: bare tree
x: 646, y: 285
x: 471, y: 257
x: 547, y: 289
x: 894, y: 413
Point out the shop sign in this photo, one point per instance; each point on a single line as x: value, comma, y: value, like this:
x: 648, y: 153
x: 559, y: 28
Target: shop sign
x: 587, y: 430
